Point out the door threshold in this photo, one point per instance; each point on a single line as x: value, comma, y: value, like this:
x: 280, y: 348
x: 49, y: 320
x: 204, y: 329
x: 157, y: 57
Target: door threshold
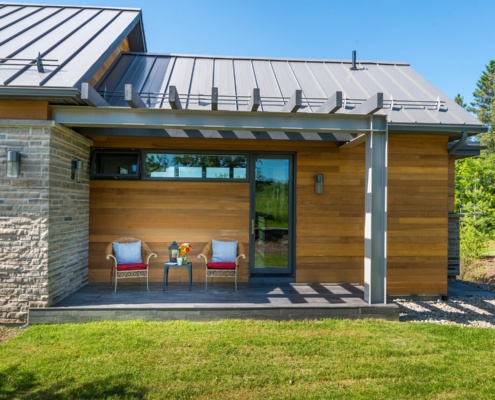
x: 271, y: 279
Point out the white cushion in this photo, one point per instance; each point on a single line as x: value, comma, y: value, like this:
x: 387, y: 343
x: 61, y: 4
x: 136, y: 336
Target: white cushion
x: 224, y: 251
x: 127, y: 253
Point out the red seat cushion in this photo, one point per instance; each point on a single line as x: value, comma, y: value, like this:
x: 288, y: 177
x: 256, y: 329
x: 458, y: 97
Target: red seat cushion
x: 130, y: 267
x: 221, y: 265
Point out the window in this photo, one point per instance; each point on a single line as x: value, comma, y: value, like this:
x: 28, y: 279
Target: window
x: 195, y: 166
x: 115, y: 164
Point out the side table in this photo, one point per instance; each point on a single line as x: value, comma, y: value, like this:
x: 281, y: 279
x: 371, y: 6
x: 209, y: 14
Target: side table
x: 168, y: 265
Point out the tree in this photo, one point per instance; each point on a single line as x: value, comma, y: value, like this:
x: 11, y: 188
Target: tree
x: 475, y: 200
x: 483, y: 104
x: 460, y: 100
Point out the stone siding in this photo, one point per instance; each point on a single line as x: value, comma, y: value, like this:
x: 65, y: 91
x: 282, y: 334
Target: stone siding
x: 44, y: 217
x: 454, y: 243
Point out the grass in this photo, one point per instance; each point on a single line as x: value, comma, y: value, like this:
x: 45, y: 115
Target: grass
x: 248, y: 360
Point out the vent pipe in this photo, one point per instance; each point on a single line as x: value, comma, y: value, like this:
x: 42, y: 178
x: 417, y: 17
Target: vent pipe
x: 354, y: 60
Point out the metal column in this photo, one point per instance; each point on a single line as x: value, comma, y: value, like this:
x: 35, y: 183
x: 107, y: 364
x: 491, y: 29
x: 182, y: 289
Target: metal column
x: 375, y: 231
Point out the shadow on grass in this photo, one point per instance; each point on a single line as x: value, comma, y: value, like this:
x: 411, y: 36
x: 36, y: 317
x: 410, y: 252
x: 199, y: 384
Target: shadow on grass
x: 24, y: 385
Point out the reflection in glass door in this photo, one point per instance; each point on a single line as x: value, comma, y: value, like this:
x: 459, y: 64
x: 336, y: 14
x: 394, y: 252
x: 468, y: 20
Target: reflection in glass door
x: 271, y: 216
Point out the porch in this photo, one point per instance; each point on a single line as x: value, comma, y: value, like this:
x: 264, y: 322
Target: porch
x: 97, y: 301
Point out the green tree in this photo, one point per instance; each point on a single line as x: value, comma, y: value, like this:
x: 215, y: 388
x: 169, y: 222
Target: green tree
x: 460, y: 100
x: 483, y: 104
x: 475, y: 200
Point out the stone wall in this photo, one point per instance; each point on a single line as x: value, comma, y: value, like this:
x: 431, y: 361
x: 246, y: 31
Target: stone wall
x: 454, y: 243
x: 43, y: 218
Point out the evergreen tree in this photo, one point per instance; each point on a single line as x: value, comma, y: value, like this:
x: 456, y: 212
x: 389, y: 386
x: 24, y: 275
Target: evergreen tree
x: 460, y: 100
x: 483, y: 104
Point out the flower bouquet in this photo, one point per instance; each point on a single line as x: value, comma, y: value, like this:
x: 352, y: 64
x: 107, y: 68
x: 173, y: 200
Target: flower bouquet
x: 184, y: 248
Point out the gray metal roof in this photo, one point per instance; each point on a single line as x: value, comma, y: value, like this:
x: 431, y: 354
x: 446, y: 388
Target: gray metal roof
x: 47, y: 52
x: 408, y: 97
x: 72, y: 42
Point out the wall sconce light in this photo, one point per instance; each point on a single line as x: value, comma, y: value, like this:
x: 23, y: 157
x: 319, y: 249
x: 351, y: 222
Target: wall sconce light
x: 319, y: 183
x: 13, y: 164
x: 76, y: 170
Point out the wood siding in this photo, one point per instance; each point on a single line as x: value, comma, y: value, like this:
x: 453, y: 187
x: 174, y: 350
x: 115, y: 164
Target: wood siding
x: 329, y: 227
x: 12, y: 109
x: 417, y: 244
x: 124, y: 46
x: 451, y: 184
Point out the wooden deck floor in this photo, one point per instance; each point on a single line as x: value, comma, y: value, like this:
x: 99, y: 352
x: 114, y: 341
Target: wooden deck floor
x: 221, y: 301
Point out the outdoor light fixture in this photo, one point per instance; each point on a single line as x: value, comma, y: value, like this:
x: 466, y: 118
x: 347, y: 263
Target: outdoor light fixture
x: 319, y: 183
x: 76, y: 170
x: 173, y: 251
x: 13, y: 164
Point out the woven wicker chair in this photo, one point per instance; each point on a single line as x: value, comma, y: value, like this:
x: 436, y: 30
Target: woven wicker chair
x: 221, y: 269
x: 124, y: 271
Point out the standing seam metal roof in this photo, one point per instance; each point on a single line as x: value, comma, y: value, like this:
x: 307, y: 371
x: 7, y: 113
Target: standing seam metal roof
x: 73, y: 42
x: 408, y: 98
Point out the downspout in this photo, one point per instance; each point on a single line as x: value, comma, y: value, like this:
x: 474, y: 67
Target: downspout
x: 459, y: 143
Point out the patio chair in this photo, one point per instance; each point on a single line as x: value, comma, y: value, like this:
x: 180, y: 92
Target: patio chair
x: 131, y: 259
x: 222, y: 257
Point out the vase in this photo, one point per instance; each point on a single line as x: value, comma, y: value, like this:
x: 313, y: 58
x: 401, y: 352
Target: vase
x: 184, y: 259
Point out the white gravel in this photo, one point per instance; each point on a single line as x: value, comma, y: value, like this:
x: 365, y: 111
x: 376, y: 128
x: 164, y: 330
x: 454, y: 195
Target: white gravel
x: 477, y: 311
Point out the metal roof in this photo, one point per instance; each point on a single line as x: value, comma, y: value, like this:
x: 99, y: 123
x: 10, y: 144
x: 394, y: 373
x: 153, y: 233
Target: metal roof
x: 47, y: 52
x: 408, y: 97
x: 60, y: 46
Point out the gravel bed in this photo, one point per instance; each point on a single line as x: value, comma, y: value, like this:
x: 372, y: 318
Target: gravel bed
x: 477, y: 311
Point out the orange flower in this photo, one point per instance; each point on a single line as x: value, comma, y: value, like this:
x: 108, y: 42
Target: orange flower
x: 185, y: 248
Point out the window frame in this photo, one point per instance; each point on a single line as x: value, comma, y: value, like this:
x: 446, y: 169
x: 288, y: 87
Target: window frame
x: 145, y: 152
x: 112, y: 176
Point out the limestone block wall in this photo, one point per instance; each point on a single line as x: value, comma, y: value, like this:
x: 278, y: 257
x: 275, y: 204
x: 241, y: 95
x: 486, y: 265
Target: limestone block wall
x: 43, y: 218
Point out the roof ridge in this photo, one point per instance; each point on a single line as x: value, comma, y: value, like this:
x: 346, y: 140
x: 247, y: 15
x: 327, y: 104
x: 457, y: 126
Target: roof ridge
x: 333, y: 61
x: 70, y: 6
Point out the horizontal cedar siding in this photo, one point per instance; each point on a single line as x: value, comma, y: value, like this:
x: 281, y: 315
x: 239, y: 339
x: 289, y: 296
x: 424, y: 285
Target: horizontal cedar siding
x: 417, y: 215
x: 329, y: 227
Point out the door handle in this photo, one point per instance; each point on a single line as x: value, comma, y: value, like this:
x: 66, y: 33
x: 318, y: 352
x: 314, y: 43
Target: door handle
x: 252, y: 227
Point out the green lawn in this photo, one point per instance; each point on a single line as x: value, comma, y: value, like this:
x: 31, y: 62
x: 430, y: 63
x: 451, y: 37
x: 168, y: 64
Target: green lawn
x: 249, y: 360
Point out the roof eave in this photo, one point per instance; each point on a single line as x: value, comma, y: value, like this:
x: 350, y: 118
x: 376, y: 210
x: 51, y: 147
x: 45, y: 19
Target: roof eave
x: 418, y: 127
x: 59, y: 95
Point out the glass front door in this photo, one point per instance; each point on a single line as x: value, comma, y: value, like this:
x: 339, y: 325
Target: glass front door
x: 272, y: 216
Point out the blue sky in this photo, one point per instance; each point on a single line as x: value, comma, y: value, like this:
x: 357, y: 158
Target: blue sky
x: 448, y: 42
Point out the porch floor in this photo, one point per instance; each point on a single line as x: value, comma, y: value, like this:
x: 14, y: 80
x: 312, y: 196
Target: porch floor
x: 97, y: 301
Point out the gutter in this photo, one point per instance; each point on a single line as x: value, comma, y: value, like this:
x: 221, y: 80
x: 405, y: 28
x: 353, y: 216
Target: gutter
x: 459, y: 143
x: 70, y: 95
x: 437, y: 127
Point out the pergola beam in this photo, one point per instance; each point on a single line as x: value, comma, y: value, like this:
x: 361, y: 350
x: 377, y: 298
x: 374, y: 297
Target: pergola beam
x: 333, y: 104
x: 214, y: 98
x: 294, y: 103
x: 91, y: 97
x: 254, y: 101
x: 354, y: 142
x: 124, y: 117
x: 173, y: 98
x: 370, y: 106
x: 132, y: 97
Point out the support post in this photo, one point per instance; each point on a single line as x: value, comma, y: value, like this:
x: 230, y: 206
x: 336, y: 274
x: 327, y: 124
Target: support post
x: 375, y: 231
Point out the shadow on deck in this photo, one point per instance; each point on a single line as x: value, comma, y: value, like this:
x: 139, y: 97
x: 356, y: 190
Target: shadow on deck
x: 96, y: 302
